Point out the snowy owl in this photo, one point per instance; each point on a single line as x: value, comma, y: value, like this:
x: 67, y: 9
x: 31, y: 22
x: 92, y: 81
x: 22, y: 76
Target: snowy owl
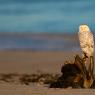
x: 86, y: 40
x: 87, y: 45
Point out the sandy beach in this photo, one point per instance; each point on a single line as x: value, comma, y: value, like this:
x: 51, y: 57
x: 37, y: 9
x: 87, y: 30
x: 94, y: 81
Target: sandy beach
x: 29, y: 62
x: 33, y: 62
x: 39, y: 41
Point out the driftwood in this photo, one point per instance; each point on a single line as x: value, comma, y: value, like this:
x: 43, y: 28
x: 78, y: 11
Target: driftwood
x: 74, y: 75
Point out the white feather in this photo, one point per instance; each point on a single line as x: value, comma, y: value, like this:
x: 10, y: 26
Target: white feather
x: 86, y: 40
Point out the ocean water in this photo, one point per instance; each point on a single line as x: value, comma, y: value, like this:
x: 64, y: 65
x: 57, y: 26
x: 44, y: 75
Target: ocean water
x: 46, y: 15
x: 38, y: 42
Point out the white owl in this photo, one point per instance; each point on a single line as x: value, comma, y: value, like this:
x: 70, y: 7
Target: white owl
x: 87, y: 45
x: 86, y: 40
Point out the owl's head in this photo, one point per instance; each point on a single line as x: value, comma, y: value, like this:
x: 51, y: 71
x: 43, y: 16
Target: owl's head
x: 84, y: 28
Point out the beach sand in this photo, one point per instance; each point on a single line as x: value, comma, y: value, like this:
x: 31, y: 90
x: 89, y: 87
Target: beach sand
x: 30, y: 62
x: 33, y: 62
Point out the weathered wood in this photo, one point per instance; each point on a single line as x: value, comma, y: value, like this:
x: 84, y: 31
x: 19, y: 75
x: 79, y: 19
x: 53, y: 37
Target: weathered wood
x: 74, y: 75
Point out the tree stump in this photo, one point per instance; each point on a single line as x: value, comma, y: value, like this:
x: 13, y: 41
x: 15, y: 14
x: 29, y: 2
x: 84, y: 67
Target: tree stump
x: 73, y: 75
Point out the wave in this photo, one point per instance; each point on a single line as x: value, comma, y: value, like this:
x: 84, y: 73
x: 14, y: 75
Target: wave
x: 37, y: 42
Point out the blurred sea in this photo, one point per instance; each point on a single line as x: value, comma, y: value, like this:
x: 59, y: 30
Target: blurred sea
x: 48, y: 16
x: 38, y: 42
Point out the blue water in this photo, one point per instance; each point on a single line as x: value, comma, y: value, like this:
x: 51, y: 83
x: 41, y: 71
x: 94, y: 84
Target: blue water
x: 38, y: 42
x: 46, y: 15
